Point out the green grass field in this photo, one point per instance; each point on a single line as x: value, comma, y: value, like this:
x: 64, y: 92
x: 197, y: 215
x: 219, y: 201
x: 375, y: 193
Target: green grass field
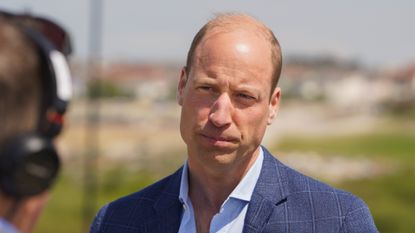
x: 391, y: 198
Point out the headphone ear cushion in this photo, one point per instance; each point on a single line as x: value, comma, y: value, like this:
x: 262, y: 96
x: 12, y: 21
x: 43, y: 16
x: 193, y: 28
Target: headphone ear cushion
x: 29, y: 165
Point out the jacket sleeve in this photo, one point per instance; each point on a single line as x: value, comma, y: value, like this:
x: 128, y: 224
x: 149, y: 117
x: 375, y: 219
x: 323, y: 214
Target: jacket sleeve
x: 96, y: 224
x: 359, y: 219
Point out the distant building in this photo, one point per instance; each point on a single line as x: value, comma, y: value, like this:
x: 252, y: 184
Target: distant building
x: 347, y: 86
x: 148, y: 83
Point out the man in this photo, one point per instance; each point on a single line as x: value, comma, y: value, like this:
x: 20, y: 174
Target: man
x: 34, y: 92
x: 228, y: 94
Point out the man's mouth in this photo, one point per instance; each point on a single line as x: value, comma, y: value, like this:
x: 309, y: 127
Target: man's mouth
x: 219, y: 139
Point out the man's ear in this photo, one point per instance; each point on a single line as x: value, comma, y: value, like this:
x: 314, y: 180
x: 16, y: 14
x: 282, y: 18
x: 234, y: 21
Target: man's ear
x: 181, y: 86
x: 274, y: 104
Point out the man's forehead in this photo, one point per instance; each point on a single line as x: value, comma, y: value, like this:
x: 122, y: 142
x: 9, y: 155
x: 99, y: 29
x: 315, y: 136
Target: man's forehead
x: 235, y: 48
x: 232, y: 72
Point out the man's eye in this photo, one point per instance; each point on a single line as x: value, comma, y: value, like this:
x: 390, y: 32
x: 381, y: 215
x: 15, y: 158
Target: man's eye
x: 246, y: 96
x: 205, y: 88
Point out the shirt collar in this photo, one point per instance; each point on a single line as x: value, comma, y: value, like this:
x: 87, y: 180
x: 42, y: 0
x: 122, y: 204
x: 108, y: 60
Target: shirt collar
x: 243, y: 191
x: 184, y: 185
x: 245, y: 188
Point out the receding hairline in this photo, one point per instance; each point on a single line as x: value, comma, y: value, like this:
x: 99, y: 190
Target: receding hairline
x: 229, y: 21
x: 226, y: 22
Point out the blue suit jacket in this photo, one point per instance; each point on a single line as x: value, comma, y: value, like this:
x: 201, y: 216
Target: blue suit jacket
x: 283, y: 201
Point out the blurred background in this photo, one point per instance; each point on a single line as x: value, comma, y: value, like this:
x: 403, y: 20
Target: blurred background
x: 347, y: 114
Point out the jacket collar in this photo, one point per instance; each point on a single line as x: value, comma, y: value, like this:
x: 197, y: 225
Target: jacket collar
x: 271, y: 191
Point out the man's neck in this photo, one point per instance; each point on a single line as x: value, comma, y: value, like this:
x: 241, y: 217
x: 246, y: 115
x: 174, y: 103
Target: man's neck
x: 23, y: 214
x: 211, y: 186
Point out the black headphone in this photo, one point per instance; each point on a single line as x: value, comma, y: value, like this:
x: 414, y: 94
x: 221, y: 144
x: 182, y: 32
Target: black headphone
x: 29, y: 163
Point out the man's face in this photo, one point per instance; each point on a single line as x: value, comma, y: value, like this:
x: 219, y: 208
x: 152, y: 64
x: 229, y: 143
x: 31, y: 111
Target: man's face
x: 226, y: 100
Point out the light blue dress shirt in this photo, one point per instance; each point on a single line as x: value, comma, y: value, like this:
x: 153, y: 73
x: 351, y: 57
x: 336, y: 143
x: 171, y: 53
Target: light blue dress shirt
x: 231, y: 216
x: 6, y: 227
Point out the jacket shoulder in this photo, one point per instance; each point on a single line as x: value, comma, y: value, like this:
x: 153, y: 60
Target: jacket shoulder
x: 321, y: 202
x: 137, y: 208
x: 303, y: 185
x: 312, y: 201
x: 145, y: 198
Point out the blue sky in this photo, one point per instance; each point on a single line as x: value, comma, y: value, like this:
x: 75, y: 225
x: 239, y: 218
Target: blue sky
x: 375, y: 32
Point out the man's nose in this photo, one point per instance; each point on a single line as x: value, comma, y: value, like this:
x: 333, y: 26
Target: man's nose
x: 221, y: 112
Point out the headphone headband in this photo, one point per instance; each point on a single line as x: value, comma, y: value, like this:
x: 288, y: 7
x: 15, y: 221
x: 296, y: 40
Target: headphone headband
x: 57, y: 78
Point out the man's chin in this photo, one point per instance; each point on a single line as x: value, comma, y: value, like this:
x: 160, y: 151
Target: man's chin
x: 220, y: 155
x: 221, y: 149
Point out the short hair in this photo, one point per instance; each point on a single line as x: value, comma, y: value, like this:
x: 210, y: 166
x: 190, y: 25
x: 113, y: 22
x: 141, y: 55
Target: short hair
x: 228, y: 21
x: 20, y: 82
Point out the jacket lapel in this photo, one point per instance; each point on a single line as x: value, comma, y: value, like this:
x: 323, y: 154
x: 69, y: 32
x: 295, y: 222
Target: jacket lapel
x: 269, y: 194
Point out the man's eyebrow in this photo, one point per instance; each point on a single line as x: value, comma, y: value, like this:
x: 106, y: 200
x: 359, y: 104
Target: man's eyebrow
x: 204, y: 79
x: 248, y: 89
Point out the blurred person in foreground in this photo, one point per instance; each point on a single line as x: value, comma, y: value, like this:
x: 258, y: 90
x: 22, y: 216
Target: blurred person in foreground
x: 228, y: 94
x: 34, y: 93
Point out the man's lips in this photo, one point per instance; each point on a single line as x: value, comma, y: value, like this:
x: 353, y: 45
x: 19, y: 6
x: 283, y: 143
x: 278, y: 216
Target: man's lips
x: 224, y: 139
